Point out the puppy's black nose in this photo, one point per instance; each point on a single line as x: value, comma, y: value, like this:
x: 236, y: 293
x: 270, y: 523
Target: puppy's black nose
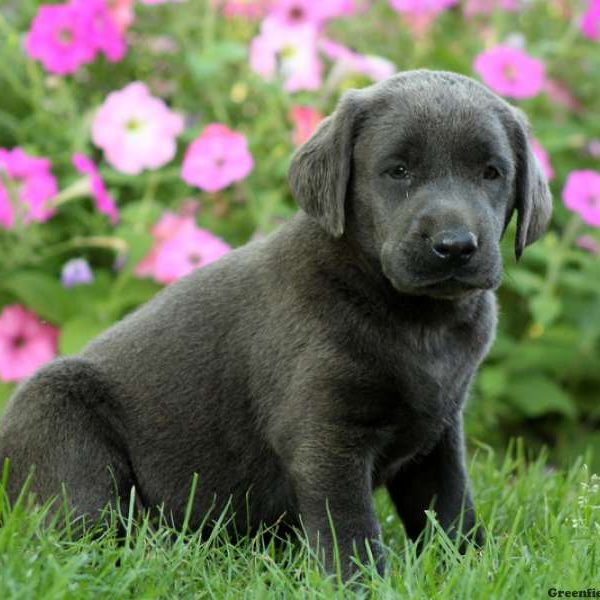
x: 456, y: 246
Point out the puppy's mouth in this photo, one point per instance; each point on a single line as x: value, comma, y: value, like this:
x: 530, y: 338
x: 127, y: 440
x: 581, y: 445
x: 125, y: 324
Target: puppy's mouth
x: 447, y: 286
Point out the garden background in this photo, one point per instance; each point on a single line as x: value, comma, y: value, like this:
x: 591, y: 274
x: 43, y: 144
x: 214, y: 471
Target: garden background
x: 141, y: 140
x: 149, y: 143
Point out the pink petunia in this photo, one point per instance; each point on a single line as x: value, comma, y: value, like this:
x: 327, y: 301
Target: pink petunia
x: 350, y: 62
x: 216, y: 159
x: 420, y: 7
x: 291, y: 53
x: 543, y: 159
x: 136, y: 130
x: 487, y: 7
x: 249, y: 9
x: 104, y: 201
x: 511, y: 72
x: 26, y: 186
x: 189, y: 249
x: 26, y: 343
x: 590, y: 21
x: 588, y: 243
x: 122, y: 12
x: 305, y: 120
x: 581, y: 194
x: 180, y: 247
x: 60, y: 39
x: 103, y: 32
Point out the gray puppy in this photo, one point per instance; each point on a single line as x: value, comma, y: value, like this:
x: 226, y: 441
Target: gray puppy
x: 301, y: 371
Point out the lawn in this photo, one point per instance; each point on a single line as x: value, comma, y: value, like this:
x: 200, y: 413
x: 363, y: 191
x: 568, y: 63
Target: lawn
x: 543, y: 534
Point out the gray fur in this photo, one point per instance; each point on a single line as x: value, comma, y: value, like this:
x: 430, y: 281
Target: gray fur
x: 303, y: 370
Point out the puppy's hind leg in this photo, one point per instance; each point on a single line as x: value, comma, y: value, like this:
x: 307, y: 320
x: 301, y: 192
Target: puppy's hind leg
x: 54, y: 423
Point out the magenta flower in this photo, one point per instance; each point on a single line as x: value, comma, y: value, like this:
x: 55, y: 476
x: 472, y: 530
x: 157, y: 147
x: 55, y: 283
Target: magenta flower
x: 590, y: 21
x: 60, y: 39
x: 26, y: 343
x: 104, y: 201
x: 180, y: 247
x: 487, y: 7
x: 511, y: 72
x: 581, y: 194
x: 65, y: 36
x: 543, y: 159
x: 297, y: 13
x: 305, y: 120
x: 26, y: 186
x: 420, y: 7
x: 103, y: 31
x: 76, y: 271
x: 288, y: 52
x: 216, y: 159
x: 136, y: 130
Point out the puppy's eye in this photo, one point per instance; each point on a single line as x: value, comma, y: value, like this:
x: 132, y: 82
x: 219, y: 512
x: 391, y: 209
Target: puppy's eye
x: 398, y: 172
x: 491, y: 173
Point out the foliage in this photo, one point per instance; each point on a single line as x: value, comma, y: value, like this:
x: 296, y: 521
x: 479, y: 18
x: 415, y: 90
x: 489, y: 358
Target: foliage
x: 543, y: 374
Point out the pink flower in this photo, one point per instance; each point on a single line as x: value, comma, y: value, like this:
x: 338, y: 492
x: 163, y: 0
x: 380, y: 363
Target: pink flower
x: 350, y: 62
x: 59, y: 38
x: 543, y: 159
x: 511, y: 72
x: 180, y: 247
x: 296, y: 13
x: 560, y: 94
x: 121, y: 12
x: 216, y: 159
x: 249, y: 9
x: 189, y: 249
x: 487, y: 7
x: 289, y: 52
x: 588, y: 243
x: 26, y: 186
x: 104, y: 202
x: 581, y: 194
x: 419, y: 7
x: 305, y: 120
x: 102, y: 30
x: 65, y: 36
x: 26, y: 343
x: 590, y: 21
x: 136, y: 130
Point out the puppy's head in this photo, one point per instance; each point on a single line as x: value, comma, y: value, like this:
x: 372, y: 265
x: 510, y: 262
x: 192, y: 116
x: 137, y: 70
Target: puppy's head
x: 424, y: 172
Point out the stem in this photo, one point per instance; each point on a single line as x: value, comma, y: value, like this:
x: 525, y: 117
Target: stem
x: 555, y: 265
x: 78, y: 189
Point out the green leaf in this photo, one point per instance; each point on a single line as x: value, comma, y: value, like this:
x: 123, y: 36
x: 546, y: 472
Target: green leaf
x: 545, y: 309
x: 42, y: 294
x: 492, y: 381
x: 536, y: 395
x: 6, y: 390
x: 210, y: 62
x: 77, y: 332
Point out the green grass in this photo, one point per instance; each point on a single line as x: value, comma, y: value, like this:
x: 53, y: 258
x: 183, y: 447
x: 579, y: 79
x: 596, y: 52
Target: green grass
x: 543, y: 531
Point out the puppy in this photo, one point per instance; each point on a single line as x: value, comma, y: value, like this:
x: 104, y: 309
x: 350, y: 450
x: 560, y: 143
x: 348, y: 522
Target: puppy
x: 301, y: 371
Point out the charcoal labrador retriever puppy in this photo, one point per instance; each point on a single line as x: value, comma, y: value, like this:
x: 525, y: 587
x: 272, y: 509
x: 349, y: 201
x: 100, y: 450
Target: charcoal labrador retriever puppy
x: 301, y: 371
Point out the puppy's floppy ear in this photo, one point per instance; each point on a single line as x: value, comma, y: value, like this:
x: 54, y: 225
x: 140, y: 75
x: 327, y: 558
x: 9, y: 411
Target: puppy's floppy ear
x: 320, y: 168
x: 533, y: 200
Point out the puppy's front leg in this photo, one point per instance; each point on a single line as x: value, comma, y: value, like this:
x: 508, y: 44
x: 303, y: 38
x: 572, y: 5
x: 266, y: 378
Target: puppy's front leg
x: 334, y: 491
x: 437, y: 480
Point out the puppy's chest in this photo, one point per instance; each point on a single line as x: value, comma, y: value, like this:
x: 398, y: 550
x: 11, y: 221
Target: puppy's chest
x: 411, y: 383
